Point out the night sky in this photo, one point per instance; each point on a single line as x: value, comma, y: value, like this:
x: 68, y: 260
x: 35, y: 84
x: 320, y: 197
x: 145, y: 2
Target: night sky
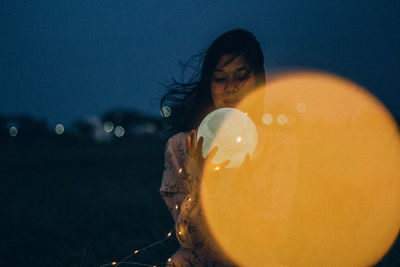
x: 64, y: 60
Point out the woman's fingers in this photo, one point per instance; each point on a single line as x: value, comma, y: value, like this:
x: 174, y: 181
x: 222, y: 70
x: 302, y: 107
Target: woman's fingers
x: 188, y: 144
x: 199, y: 149
x: 246, y: 161
x: 245, y: 164
x: 194, y: 142
x: 224, y: 164
x: 212, y: 153
x: 191, y: 143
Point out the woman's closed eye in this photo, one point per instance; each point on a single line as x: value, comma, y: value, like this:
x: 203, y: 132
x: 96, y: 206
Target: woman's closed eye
x: 243, y: 75
x: 240, y: 75
x: 243, y: 78
x: 219, y: 79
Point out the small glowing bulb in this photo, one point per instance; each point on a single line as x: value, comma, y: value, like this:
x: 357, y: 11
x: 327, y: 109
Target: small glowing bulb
x: 136, y: 252
x: 169, y: 234
x: 238, y: 139
x: 113, y: 263
x: 176, y: 207
x: 190, y: 199
x: 216, y: 168
x: 180, y: 233
x: 169, y: 260
x: 180, y: 171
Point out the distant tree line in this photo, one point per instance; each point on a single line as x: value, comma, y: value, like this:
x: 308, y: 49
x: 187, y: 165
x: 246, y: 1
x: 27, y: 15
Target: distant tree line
x: 113, y: 126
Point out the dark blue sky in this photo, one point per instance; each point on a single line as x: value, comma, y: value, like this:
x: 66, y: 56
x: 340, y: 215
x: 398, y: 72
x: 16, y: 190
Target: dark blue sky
x: 62, y: 60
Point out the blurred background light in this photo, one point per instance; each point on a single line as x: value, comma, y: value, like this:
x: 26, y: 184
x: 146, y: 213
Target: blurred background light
x: 108, y: 126
x: 59, y: 129
x: 13, y: 131
x: 165, y: 111
x: 119, y: 131
x: 301, y: 107
x: 282, y: 119
x: 267, y: 118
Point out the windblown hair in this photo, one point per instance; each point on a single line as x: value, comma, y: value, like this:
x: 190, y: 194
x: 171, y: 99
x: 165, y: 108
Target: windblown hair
x: 190, y: 101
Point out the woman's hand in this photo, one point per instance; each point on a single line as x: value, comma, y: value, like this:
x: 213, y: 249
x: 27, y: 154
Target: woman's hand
x: 196, y: 162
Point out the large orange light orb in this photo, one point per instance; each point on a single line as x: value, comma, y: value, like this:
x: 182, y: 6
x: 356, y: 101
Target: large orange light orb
x: 323, y: 186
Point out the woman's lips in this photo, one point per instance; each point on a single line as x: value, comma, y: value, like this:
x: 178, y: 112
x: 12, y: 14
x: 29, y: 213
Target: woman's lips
x: 230, y: 101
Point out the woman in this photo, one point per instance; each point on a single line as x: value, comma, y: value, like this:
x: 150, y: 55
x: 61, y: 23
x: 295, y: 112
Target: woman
x: 233, y: 66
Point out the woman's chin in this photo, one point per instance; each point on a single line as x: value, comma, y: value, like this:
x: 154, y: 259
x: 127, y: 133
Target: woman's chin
x: 230, y: 105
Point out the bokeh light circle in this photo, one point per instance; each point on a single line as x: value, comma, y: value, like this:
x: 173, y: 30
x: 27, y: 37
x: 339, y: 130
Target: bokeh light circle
x: 119, y: 131
x: 108, y: 126
x: 59, y: 129
x: 267, y: 118
x: 13, y: 131
x: 322, y: 191
x: 165, y: 111
x: 282, y: 119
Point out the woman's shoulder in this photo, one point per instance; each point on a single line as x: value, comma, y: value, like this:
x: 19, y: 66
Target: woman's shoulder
x: 179, y: 137
x: 177, y: 142
x: 176, y: 154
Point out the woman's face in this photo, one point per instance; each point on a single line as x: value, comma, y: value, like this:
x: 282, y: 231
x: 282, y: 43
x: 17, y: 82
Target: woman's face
x: 231, y: 82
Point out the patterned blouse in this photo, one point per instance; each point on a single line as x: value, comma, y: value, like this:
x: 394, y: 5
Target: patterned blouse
x: 196, y: 247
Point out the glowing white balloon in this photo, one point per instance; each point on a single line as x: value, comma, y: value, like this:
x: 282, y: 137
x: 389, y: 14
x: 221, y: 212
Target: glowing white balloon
x: 232, y: 131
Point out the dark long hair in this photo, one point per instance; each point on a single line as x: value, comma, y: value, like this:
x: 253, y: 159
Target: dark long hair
x: 190, y: 101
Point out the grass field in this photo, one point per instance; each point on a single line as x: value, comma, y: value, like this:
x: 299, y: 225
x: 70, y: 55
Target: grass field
x: 86, y: 205
x: 82, y: 205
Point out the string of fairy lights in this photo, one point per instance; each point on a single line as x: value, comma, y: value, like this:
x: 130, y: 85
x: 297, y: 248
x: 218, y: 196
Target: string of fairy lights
x: 180, y: 233
x: 125, y: 260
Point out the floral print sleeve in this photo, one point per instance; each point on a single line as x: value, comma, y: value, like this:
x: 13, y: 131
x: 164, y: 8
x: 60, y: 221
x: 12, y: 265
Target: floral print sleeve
x: 174, y: 187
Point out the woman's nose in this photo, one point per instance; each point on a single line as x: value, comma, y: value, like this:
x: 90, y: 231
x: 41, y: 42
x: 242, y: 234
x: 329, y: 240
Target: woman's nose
x: 231, y: 86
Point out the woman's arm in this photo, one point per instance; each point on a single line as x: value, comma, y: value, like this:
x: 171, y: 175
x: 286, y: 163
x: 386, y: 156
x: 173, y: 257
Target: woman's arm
x: 184, y: 163
x: 174, y: 187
